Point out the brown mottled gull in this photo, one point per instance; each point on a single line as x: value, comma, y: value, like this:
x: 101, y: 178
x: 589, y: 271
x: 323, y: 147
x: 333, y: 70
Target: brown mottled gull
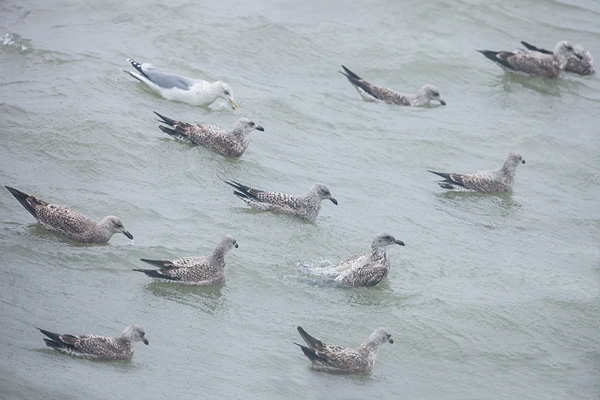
x: 202, y: 271
x: 533, y: 63
x: 494, y: 181
x: 97, y: 347
x: 371, y: 92
x: 364, y: 269
x: 305, y: 207
x: 577, y: 65
x: 196, y: 92
x: 334, y: 358
x: 69, y: 223
x: 226, y: 143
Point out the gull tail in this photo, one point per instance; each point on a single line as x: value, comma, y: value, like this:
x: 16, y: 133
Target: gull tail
x: 242, y: 191
x: 158, y: 263
x: 22, y: 198
x: 533, y: 48
x: 444, y: 175
x: 139, y: 69
x: 312, y: 342
x: 360, y: 84
x: 171, y: 122
x: 154, y: 273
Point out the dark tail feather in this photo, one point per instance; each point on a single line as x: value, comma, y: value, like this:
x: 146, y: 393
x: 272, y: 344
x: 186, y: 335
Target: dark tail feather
x: 51, y: 335
x: 349, y: 74
x: 172, y: 132
x: 312, y: 342
x: 165, y: 120
x: 489, y: 54
x: 138, y: 67
x: 308, y: 352
x: 241, y: 191
x: 154, y: 273
x: 532, y: 47
x: 22, y: 197
x: 158, y: 263
x: 442, y: 174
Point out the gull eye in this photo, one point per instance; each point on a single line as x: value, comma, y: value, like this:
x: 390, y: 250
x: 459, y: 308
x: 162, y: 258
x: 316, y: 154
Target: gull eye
x: 226, y: 92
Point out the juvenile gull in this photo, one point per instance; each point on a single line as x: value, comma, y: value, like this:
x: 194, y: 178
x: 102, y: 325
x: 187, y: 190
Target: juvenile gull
x: 533, y: 63
x: 334, y: 358
x: 97, y: 347
x: 364, y: 269
x: 226, y: 143
x: 196, y: 92
x: 373, y: 93
x: 202, y: 271
x: 305, y: 207
x: 69, y: 223
x: 494, y: 181
x: 581, y: 66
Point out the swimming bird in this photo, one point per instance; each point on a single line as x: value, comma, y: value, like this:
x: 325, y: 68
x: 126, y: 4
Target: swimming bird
x: 202, y: 271
x: 334, y: 358
x: 69, y: 223
x: 494, y: 181
x: 581, y: 66
x: 196, y: 92
x: 364, y: 269
x: 371, y: 92
x: 226, y: 143
x: 97, y: 347
x: 533, y: 63
x: 305, y: 207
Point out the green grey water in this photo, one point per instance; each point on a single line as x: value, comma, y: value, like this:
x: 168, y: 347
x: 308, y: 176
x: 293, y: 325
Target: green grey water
x: 493, y: 297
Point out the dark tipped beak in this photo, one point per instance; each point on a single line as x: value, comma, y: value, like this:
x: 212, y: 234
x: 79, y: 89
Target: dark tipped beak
x: 522, y: 161
x: 442, y: 102
x: 259, y: 128
x: 146, y: 341
x: 579, y: 56
x: 235, y: 245
x: 129, y: 235
x: 334, y: 201
x: 391, y: 341
x: 400, y: 242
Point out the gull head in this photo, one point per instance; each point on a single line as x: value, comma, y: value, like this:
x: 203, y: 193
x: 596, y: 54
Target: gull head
x: 381, y: 336
x: 115, y: 225
x: 226, y: 92
x: 244, y: 125
x: 228, y: 242
x: 514, y: 159
x: 565, y: 49
x: 135, y: 333
x: 432, y: 93
x: 322, y: 192
x: 385, y: 239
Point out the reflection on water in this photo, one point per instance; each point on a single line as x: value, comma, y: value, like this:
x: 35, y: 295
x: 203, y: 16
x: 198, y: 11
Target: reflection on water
x: 207, y: 298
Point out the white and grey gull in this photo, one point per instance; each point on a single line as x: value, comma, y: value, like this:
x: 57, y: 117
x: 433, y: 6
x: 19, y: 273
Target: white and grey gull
x: 201, y: 271
x: 196, y: 92
x: 371, y: 92
x: 494, y: 181
x: 334, y: 358
x: 305, y: 207
x: 363, y: 269
x: 68, y: 223
x: 226, y: 143
x: 97, y: 347
x: 534, y: 63
x: 583, y: 65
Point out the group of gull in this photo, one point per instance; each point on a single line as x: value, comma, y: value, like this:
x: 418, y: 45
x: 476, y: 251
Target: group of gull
x: 364, y: 269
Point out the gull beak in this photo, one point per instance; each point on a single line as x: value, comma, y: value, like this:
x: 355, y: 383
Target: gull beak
x: 334, y: 201
x: 400, y: 242
x: 259, y: 128
x: 234, y: 105
x: 522, y: 161
x: 391, y: 341
x: 442, y: 102
x: 145, y: 341
x: 235, y: 245
x: 129, y: 235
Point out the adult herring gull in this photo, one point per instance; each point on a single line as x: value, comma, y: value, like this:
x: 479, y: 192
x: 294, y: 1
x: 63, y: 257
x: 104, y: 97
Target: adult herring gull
x: 69, y: 223
x: 226, y: 143
x: 364, y: 269
x: 97, y: 347
x: 581, y: 66
x: 334, y: 358
x: 533, y: 63
x: 371, y: 92
x: 305, y: 207
x: 202, y: 271
x: 494, y: 181
x: 196, y: 92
